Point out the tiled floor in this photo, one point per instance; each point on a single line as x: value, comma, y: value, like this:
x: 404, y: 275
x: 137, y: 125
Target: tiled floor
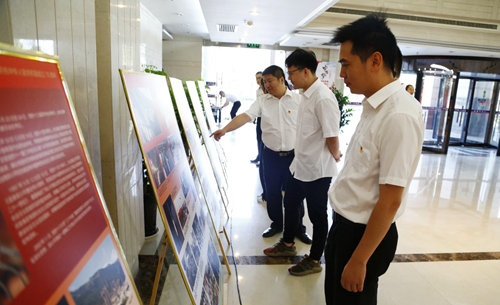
x: 453, y: 212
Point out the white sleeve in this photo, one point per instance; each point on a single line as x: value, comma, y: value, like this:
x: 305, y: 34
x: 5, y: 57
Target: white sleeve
x: 328, y: 114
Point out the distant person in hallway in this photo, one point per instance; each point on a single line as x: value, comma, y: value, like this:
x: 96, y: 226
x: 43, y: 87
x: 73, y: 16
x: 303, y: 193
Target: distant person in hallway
x: 410, y: 89
x: 314, y: 165
x: 278, y: 111
x: 233, y: 100
x: 380, y: 162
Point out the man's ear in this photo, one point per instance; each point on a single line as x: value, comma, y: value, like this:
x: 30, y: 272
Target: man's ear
x: 376, y: 61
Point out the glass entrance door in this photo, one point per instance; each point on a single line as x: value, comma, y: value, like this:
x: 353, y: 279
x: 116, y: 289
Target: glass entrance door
x: 495, y: 134
x: 461, y: 111
x: 435, y: 99
x: 479, y: 113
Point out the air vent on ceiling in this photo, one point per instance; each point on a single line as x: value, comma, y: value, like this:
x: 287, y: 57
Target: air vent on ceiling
x: 416, y: 18
x: 231, y: 28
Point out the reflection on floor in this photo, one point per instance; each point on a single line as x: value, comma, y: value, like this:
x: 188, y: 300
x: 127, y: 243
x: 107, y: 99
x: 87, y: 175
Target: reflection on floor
x: 449, y: 236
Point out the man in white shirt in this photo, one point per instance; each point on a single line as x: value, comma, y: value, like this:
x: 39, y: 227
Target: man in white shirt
x: 368, y: 194
x: 316, y: 152
x: 231, y: 99
x: 278, y: 111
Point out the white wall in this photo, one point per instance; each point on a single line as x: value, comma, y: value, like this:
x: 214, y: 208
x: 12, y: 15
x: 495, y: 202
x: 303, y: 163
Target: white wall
x: 151, y: 39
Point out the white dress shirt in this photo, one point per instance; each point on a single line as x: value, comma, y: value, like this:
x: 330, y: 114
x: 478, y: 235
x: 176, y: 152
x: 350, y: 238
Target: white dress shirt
x: 385, y: 149
x: 278, y: 119
x: 231, y: 98
x: 259, y: 92
x: 318, y: 119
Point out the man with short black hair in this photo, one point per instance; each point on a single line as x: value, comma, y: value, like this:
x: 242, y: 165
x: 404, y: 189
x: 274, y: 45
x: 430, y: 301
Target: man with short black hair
x: 381, y: 159
x: 316, y: 152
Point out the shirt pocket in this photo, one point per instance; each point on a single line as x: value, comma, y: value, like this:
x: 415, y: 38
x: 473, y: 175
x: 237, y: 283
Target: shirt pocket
x: 363, y: 153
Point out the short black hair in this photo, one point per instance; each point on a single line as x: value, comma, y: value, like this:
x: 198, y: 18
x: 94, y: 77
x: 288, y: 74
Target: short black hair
x: 275, y: 71
x: 301, y: 59
x: 259, y: 72
x: 371, y: 34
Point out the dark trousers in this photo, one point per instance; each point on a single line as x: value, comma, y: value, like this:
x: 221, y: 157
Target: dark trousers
x: 260, y: 147
x: 276, y: 175
x: 343, y: 239
x: 236, y: 106
x: 316, y: 195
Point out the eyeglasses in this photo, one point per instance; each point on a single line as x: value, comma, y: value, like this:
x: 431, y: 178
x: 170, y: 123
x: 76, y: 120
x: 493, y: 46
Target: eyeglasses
x: 290, y: 72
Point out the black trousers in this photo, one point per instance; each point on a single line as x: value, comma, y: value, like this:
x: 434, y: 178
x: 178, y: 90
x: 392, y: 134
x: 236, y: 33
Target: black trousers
x: 276, y: 175
x: 343, y: 239
x: 316, y: 195
x: 260, y: 147
x: 236, y: 106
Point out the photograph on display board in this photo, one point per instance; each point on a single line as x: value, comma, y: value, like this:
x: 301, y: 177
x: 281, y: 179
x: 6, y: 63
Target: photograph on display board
x: 14, y: 276
x: 102, y: 280
x: 52, y: 212
x: 63, y: 301
x: 166, y: 157
x: 176, y: 195
x: 212, y: 125
x: 213, y: 147
x: 149, y: 127
x: 201, y: 161
x: 156, y: 168
x: 173, y: 223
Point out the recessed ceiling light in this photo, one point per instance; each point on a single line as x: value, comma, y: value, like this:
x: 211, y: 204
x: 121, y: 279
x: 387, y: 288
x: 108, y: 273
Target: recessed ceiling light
x: 254, y: 12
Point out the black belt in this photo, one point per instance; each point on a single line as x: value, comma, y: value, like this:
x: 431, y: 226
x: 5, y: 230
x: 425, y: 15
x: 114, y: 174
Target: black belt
x: 279, y: 153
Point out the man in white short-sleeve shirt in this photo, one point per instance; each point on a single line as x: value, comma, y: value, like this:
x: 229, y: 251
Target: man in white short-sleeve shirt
x: 368, y: 194
x: 278, y: 111
x: 316, y: 152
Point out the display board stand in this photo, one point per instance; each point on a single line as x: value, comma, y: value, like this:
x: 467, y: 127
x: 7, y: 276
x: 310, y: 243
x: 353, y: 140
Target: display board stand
x: 204, y: 173
x: 56, y: 232
x: 185, y: 218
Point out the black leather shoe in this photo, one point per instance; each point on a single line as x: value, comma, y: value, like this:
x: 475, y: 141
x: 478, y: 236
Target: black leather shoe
x: 305, y: 238
x: 269, y: 232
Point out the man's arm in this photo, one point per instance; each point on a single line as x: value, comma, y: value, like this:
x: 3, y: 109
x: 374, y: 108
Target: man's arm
x: 235, y: 123
x: 333, y: 147
x: 377, y: 227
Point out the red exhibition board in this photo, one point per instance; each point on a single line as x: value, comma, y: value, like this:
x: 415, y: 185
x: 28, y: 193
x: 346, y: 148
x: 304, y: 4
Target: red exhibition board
x: 57, y: 244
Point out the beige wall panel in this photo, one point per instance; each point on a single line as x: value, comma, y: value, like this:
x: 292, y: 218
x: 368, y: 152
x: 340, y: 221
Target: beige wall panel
x: 23, y: 23
x: 182, y: 57
x: 46, y: 26
x: 92, y: 100
x: 65, y: 41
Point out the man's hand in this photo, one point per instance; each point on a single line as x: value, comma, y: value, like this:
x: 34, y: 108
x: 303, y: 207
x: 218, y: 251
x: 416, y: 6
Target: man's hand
x: 337, y: 156
x: 218, y: 134
x: 353, y: 276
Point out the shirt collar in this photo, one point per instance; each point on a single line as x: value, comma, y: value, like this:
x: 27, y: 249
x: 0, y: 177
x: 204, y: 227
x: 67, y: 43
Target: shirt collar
x: 383, y: 94
x: 270, y: 96
x: 314, y: 86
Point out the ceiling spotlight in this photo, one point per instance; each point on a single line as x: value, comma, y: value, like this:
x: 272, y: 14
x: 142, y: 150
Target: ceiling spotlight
x: 249, y: 22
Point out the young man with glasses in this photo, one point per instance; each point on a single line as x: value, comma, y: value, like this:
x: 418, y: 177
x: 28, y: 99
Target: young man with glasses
x: 316, y: 152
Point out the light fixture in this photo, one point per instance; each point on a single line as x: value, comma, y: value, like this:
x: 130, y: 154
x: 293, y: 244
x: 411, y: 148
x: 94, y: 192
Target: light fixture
x: 436, y: 66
